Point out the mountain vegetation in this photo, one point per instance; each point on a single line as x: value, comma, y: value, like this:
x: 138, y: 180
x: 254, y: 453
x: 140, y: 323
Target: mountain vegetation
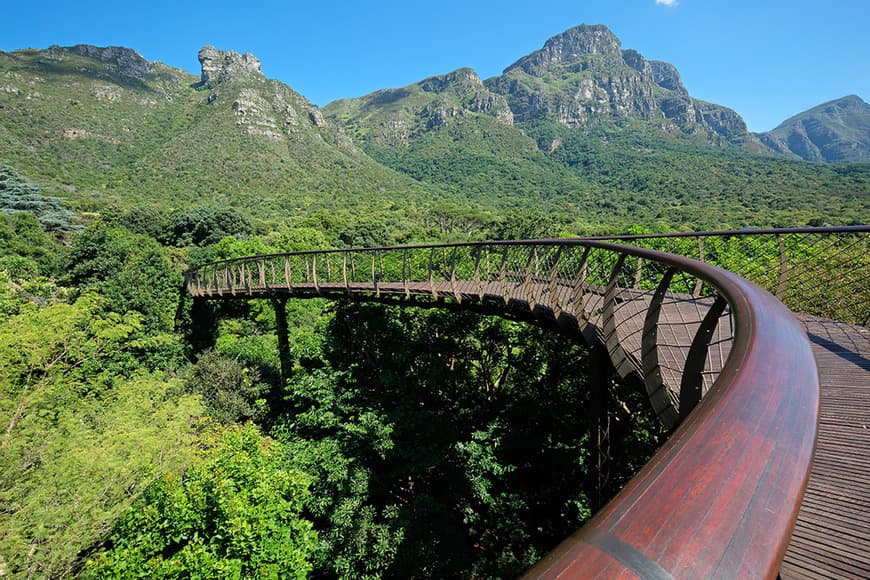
x: 105, y: 128
x: 583, y: 129
x: 148, y: 435
x: 834, y: 132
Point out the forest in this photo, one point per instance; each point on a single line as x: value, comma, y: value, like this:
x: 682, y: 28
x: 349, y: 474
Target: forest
x: 149, y: 436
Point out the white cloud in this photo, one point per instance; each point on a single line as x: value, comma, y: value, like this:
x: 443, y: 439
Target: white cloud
x: 668, y: 2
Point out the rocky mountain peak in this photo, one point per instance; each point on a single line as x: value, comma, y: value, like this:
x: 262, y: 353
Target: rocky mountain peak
x: 461, y: 78
x: 635, y: 60
x: 569, y: 46
x: 666, y: 76
x: 220, y: 66
x: 469, y: 94
x: 120, y: 60
x: 582, y: 77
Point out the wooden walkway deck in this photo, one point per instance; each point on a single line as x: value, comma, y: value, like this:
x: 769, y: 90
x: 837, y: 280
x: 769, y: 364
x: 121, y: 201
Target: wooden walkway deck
x: 832, y: 535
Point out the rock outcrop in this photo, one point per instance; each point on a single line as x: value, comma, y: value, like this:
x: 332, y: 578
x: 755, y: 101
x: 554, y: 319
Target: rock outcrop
x: 262, y: 107
x: 222, y: 66
x: 124, y: 62
x: 583, y: 76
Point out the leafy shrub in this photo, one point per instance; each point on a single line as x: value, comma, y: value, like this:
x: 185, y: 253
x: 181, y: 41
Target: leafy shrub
x: 236, y: 515
x: 201, y: 226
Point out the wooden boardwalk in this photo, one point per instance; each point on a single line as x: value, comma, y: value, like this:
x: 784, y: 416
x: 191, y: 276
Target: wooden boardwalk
x: 832, y: 535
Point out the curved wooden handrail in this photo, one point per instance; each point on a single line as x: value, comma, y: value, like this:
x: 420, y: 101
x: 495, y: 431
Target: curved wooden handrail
x: 721, y: 496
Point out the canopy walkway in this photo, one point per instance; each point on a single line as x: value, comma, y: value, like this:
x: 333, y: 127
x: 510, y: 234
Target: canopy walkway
x: 767, y: 470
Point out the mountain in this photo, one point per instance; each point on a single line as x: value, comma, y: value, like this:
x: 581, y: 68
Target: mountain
x: 398, y: 116
x: 835, y: 132
x: 585, y: 128
x: 104, y: 126
x: 583, y: 77
x: 452, y: 131
x: 581, y: 131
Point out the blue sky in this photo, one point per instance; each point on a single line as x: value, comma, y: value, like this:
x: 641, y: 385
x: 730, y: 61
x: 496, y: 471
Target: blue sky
x: 767, y: 59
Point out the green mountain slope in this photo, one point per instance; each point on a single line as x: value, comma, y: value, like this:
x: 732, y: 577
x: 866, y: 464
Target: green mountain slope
x: 452, y: 131
x: 589, y: 130
x: 105, y: 126
x: 582, y: 130
x: 834, y: 132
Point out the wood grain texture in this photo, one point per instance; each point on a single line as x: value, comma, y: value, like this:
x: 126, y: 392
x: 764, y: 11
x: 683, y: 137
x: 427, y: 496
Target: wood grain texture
x: 831, y: 538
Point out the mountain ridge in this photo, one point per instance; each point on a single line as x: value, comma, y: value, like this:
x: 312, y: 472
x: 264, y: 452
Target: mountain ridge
x: 106, y: 128
x: 93, y: 122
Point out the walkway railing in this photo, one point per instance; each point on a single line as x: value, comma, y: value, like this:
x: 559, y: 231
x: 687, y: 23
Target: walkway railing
x: 722, y: 494
x: 824, y: 271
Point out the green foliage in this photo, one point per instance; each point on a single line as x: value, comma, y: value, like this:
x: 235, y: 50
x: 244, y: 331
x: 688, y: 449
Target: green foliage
x: 17, y: 195
x: 529, y: 225
x: 236, y: 515
x: 365, y: 234
x: 331, y: 437
x: 145, y: 220
x: 427, y: 434
x: 230, y: 247
x: 22, y: 235
x: 131, y: 270
x: 679, y: 185
x: 231, y: 392
x: 202, y: 226
x: 83, y: 430
x: 299, y: 238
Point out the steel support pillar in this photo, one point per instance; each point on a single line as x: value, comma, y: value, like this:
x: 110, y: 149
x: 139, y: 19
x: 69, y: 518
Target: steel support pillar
x: 280, y: 305
x: 600, y: 375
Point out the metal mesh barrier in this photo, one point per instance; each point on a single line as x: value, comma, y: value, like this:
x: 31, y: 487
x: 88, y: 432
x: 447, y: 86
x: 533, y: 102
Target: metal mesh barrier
x: 823, y: 272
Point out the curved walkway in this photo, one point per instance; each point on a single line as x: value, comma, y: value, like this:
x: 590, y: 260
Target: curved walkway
x: 697, y: 524
x: 832, y: 536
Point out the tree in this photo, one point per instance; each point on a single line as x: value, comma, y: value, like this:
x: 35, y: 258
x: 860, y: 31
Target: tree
x: 201, y: 226
x: 84, y: 429
x: 130, y: 270
x: 18, y: 195
x: 231, y: 391
x: 238, y: 514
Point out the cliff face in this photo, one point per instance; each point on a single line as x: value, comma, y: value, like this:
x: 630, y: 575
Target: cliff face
x: 583, y: 76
